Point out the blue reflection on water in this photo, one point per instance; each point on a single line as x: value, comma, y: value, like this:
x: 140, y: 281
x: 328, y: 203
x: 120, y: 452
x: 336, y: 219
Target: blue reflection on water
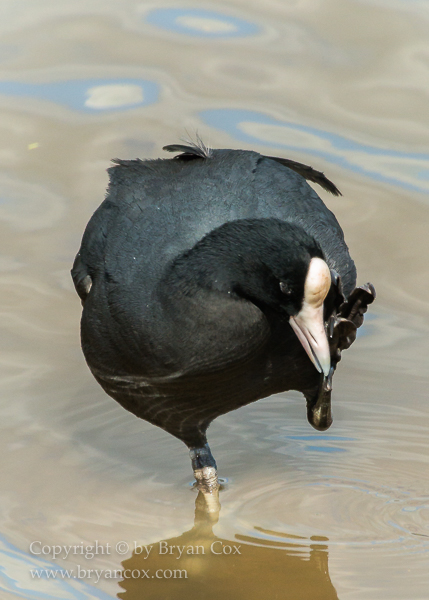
x: 16, y: 579
x: 367, y: 327
x: 336, y: 149
x: 200, y: 23
x: 88, y: 95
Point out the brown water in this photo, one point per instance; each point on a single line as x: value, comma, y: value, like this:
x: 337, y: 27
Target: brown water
x: 342, y: 85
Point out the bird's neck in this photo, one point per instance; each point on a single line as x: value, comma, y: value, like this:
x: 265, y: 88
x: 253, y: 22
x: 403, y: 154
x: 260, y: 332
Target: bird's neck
x: 238, y: 260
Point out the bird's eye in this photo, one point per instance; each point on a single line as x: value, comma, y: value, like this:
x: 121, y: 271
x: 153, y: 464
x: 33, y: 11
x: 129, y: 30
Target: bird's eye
x: 285, y: 289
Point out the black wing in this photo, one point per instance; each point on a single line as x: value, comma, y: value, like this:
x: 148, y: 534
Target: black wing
x: 308, y: 173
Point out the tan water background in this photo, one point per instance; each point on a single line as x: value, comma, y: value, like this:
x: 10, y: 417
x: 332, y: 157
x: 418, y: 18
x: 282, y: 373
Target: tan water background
x: 339, y: 84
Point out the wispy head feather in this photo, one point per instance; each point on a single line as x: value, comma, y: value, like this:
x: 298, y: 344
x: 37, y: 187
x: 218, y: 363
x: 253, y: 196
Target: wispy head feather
x: 193, y: 148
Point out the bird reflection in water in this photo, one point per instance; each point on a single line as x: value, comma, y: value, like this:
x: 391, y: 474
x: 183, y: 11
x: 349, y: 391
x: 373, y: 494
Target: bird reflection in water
x: 247, y: 567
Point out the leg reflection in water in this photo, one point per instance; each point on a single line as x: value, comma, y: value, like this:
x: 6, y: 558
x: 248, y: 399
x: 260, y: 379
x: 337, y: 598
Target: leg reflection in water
x: 202, y: 566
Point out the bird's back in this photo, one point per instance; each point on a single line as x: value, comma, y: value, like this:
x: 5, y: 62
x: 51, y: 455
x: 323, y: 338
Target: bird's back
x: 156, y: 210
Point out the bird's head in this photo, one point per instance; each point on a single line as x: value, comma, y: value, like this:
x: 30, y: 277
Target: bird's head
x: 274, y: 264
x: 297, y: 281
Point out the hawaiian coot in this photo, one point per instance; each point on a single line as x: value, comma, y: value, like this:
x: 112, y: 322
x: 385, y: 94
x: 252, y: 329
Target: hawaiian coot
x: 211, y: 280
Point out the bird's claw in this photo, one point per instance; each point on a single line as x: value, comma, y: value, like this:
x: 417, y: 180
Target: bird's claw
x: 341, y: 329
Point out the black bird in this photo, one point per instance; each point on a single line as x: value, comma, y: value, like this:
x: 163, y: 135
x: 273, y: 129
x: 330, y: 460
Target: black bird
x: 211, y: 280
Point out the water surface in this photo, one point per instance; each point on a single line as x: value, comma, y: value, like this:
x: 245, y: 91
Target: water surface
x: 340, y: 86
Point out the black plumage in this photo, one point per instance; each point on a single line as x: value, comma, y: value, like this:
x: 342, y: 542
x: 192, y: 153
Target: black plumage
x: 189, y: 272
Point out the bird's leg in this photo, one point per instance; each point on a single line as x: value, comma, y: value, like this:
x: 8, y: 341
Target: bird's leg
x: 204, y: 467
x: 205, y: 473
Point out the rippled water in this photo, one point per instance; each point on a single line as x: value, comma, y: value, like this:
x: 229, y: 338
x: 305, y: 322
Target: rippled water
x: 340, y: 85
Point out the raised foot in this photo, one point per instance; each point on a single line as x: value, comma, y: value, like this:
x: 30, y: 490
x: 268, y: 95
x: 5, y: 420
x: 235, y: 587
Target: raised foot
x: 341, y: 330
